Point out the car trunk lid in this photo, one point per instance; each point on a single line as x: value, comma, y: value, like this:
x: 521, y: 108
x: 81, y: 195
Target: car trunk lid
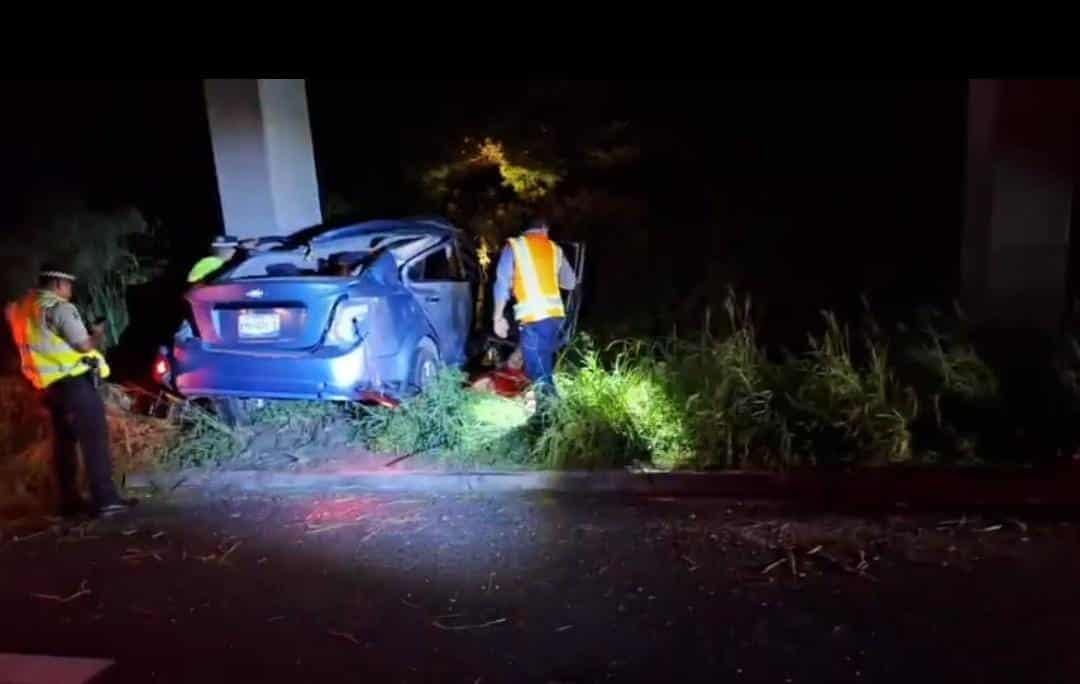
x: 266, y: 313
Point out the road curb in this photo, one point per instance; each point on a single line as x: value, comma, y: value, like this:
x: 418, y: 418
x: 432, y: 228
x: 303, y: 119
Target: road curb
x: 612, y: 481
x: 882, y: 488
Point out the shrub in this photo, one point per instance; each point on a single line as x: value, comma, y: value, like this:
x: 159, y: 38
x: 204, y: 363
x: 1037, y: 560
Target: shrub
x: 732, y: 395
x: 844, y: 411
x: 612, y: 414
x: 96, y: 244
x: 448, y: 421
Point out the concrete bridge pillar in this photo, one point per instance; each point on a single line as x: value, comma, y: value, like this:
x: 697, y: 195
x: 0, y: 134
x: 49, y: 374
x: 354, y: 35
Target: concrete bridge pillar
x: 1022, y: 161
x: 263, y: 155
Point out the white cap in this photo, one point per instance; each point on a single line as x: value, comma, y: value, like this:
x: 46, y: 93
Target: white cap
x: 57, y: 274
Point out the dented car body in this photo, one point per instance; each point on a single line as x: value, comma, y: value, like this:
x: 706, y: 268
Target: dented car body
x: 330, y: 313
x: 354, y: 312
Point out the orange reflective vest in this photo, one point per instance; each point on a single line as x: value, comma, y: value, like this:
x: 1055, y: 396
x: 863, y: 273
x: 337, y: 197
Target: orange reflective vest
x: 536, y: 278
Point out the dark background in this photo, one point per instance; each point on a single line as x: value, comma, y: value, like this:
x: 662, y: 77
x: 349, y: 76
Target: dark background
x: 806, y: 194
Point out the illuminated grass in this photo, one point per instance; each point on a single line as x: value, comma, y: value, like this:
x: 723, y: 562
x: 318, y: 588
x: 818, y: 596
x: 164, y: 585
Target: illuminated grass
x: 450, y: 422
x: 614, y: 414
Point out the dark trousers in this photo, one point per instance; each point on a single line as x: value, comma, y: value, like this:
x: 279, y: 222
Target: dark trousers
x: 539, y: 343
x: 78, y: 419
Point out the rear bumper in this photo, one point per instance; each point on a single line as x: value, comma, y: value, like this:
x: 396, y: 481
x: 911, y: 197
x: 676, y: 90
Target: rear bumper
x: 321, y: 375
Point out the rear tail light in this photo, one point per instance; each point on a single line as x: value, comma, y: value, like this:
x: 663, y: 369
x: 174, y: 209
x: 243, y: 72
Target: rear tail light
x: 161, y: 369
x: 350, y: 315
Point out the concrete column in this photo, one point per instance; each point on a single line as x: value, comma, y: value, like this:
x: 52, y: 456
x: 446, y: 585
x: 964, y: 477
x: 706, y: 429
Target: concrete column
x: 1021, y: 163
x: 263, y: 155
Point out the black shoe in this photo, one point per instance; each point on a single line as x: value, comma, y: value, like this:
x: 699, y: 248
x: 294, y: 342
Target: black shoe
x: 116, y: 508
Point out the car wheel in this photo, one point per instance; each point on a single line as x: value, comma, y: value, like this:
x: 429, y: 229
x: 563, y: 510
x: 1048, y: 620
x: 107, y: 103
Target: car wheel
x: 426, y: 364
x: 230, y: 411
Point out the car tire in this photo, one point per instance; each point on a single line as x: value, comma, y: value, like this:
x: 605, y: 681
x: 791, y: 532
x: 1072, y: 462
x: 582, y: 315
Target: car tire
x: 425, y: 366
x: 230, y: 411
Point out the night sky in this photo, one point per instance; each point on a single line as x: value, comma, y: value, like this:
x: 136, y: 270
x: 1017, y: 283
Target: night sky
x: 842, y: 185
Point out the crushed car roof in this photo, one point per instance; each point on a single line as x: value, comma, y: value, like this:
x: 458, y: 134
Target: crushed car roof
x: 419, y: 225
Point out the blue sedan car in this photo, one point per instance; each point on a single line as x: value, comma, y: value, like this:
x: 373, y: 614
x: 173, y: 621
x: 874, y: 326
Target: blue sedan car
x: 367, y: 310
x: 357, y: 312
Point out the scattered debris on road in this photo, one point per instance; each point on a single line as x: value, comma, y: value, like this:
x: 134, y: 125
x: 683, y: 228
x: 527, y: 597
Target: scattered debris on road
x: 772, y: 566
x: 84, y: 590
x: 137, y: 555
x: 344, y: 635
x: 458, y: 628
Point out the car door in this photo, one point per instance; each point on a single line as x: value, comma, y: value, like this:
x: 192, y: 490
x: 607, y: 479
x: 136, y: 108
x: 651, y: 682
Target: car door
x: 575, y: 254
x: 437, y: 278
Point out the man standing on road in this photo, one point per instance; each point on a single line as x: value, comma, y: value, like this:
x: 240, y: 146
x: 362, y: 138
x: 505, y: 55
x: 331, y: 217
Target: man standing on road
x: 533, y: 268
x: 58, y: 357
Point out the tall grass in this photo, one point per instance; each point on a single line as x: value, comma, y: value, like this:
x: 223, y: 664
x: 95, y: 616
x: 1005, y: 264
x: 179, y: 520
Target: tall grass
x: 96, y: 245
x: 846, y: 411
x: 449, y: 422
x: 732, y: 395
x: 718, y: 401
x: 199, y: 438
x: 721, y: 402
x: 852, y: 396
x: 614, y: 412
x: 951, y: 365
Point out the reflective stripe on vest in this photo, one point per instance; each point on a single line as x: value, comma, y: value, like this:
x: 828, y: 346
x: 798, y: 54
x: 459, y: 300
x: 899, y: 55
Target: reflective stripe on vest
x: 536, y: 279
x: 45, y: 357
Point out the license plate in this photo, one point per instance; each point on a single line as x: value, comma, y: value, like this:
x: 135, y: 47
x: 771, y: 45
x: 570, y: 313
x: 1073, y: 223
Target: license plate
x: 259, y: 324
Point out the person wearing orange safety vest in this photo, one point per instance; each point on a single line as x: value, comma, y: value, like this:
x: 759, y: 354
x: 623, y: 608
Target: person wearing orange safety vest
x: 58, y: 357
x: 534, y: 269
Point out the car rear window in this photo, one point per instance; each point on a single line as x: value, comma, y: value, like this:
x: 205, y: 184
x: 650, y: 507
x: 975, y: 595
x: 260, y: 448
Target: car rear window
x: 322, y: 260
x: 273, y: 265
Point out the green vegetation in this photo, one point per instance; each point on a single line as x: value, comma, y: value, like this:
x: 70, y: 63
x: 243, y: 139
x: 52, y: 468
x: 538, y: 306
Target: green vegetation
x: 96, y: 245
x: 717, y: 402
x: 449, y: 421
x: 199, y: 438
x: 612, y: 413
x: 853, y: 396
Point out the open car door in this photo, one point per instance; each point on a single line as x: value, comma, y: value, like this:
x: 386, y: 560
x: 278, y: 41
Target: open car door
x: 575, y: 254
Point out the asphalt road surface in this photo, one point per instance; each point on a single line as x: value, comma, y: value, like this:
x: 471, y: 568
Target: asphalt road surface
x: 541, y: 588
